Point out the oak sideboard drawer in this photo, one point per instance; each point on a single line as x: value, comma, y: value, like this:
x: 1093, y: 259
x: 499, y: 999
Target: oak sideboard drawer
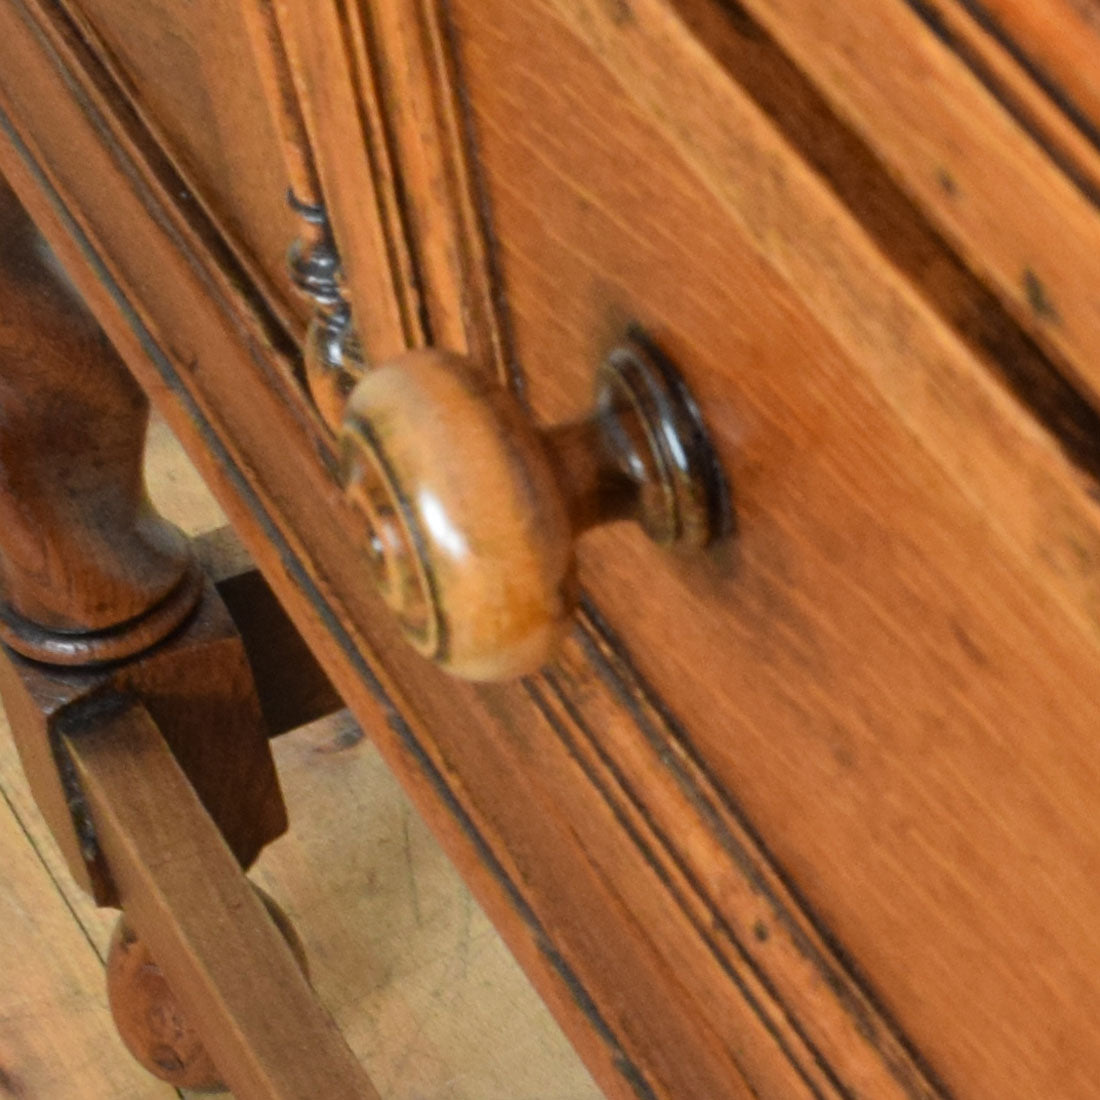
x: 812, y: 812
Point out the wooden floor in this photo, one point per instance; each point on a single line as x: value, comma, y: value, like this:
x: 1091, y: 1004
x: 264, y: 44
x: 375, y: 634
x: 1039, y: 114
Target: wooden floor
x: 399, y: 952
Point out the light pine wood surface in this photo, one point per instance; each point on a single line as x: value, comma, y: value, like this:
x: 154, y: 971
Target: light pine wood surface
x: 417, y: 979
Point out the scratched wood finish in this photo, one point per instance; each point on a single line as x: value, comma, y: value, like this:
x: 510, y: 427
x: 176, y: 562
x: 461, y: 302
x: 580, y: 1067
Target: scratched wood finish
x: 904, y: 522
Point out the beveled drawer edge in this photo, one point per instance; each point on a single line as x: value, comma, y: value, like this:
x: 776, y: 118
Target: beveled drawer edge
x: 113, y: 69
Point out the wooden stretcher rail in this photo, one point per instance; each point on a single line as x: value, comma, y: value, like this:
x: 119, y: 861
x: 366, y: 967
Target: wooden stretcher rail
x: 185, y: 895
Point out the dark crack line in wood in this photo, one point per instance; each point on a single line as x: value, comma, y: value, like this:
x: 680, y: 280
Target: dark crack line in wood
x: 929, y: 15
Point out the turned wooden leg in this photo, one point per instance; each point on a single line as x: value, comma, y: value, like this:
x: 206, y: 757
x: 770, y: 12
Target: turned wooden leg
x: 90, y: 573
x: 98, y: 593
x: 135, y: 712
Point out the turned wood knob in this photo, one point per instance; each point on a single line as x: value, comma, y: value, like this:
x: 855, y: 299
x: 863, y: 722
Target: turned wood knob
x: 148, y: 1017
x: 473, y: 510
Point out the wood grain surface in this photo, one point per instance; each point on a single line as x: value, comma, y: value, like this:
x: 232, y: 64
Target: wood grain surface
x: 1055, y: 43
x: 407, y: 962
x: 86, y: 563
x: 185, y: 895
x: 574, y: 968
x: 817, y: 810
x: 184, y: 69
x: 55, y: 1031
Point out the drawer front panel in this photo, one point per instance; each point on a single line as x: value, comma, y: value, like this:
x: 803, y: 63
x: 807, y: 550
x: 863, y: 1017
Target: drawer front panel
x: 883, y: 667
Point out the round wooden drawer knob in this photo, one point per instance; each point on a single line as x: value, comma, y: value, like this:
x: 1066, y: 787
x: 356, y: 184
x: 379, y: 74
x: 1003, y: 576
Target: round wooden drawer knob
x: 473, y: 510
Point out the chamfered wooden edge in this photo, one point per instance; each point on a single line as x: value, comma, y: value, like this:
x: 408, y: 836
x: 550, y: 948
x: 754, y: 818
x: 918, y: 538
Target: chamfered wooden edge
x: 237, y: 980
x: 382, y: 692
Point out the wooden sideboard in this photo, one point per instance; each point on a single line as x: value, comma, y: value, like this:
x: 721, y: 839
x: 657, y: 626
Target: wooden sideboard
x: 813, y: 812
